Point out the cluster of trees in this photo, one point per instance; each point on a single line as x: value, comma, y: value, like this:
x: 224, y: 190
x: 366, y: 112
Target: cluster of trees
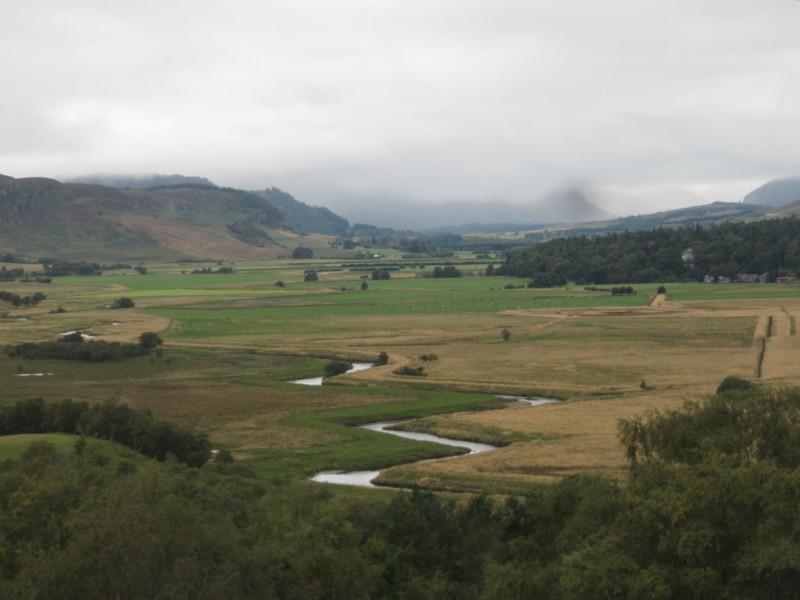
x: 446, y: 272
x: 770, y: 246
x: 709, y: 511
x: 55, y: 267
x: 123, y: 302
x: 11, y: 274
x: 17, y: 300
x: 210, y: 271
x: 74, y: 347
x: 302, y: 252
x: 379, y: 274
x: 135, y: 429
x: 623, y: 290
x: 410, y: 371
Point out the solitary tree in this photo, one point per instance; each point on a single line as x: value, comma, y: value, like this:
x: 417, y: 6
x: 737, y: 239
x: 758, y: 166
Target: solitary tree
x: 150, y: 340
x: 123, y: 303
x: 302, y: 252
x: 506, y: 333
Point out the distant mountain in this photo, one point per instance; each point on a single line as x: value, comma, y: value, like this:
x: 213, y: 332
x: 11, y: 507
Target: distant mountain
x: 777, y: 192
x: 569, y: 206
x: 302, y: 217
x: 43, y: 217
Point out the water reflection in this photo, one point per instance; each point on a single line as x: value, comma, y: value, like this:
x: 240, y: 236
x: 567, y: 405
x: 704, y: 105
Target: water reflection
x: 364, y: 478
x: 531, y: 401
x: 318, y: 380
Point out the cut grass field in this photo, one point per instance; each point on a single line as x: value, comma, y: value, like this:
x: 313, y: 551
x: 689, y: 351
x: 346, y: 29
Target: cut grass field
x: 233, y: 341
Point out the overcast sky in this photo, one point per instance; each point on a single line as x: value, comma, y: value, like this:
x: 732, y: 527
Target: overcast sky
x: 434, y: 100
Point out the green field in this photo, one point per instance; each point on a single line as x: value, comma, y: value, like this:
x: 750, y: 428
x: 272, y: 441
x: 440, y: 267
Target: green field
x: 234, y: 341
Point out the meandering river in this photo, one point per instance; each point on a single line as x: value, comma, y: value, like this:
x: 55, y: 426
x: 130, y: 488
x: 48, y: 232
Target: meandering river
x: 365, y: 478
x: 318, y: 380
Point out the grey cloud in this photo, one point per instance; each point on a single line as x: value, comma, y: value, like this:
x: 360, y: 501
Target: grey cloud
x: 439, y: 101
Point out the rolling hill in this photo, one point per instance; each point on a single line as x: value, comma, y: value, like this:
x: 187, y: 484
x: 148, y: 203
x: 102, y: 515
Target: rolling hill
x: 43, y: 217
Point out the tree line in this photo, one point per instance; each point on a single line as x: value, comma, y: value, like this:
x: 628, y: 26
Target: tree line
x: 770, y: 246
x: 135, y: 429
x: 17, y: 300
x: 709, y: 511
x: 74, y: 347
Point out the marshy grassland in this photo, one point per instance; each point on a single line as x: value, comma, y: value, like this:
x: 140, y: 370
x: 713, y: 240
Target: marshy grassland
x: 233, y: 342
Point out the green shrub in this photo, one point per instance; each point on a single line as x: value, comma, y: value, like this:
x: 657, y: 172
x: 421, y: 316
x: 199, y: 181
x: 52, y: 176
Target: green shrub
x: 732, y: 383
x: 302, y: 252
x: 123, y: 303
x: 337, y: 367
x: 410, y: 371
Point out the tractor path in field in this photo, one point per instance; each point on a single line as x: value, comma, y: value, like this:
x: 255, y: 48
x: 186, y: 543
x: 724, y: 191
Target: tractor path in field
x: 775, y: 338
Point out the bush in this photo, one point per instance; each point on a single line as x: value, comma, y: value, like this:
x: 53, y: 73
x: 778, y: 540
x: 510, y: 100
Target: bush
x: 623, y: 291
x: 123, y: 303
x: 383, y: 359
x: 428, y: 357
x: 735, y: 384
x: 337, y: 367
x: 410, y: 371
x: 310, y: 276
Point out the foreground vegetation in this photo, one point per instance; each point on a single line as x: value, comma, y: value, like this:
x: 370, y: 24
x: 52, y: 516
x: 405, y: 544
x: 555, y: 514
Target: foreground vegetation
x: 697, y: 519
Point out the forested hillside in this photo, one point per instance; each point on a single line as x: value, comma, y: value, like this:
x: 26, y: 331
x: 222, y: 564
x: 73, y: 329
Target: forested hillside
x: 770, y: 246
x: 304, y: 218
